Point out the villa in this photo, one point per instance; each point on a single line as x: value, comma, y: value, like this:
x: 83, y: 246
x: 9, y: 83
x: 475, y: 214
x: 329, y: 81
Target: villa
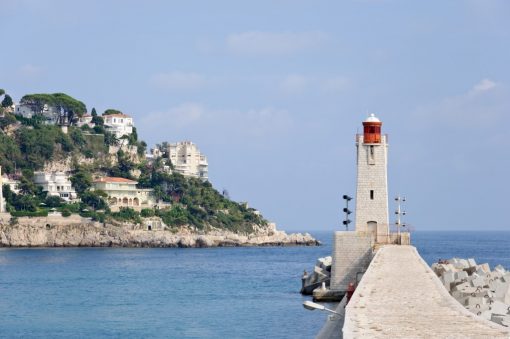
x: 56, y: 184
x: 119, y: 124
x: 50, y: 113
x: 123, y: 192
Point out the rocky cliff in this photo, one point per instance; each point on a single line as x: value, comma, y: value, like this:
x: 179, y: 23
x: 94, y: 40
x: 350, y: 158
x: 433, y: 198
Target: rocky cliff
x: 48, y: 232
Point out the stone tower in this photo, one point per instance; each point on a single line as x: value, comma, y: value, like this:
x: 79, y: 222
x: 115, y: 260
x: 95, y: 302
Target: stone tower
x: 372, y: 181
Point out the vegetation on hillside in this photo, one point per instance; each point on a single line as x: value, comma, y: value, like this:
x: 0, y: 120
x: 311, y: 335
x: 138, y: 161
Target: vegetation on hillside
x: 27, y: 144
x: 60, y: 101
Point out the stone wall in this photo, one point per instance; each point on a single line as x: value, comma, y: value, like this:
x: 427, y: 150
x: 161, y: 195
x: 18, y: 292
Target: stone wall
x: 352, y: 253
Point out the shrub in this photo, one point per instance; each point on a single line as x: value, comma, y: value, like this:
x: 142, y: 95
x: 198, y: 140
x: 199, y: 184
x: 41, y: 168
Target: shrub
x: 42, y: 213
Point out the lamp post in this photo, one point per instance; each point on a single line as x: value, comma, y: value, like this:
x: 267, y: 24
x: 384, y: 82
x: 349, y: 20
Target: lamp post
x: 310, y: 305
x: 346, y: 210
x: 399, y: 212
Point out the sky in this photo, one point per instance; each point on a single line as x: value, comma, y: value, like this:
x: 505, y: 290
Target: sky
x: 273, y: 93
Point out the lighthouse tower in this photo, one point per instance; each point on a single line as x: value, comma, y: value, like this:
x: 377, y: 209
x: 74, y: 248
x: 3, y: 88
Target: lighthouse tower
x: 372, y: 182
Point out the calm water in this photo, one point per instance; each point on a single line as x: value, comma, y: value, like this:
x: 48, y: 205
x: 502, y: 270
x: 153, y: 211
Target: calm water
x: 176, y: 293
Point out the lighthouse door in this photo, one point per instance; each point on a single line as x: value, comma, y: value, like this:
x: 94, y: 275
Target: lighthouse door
x: 372, y: 228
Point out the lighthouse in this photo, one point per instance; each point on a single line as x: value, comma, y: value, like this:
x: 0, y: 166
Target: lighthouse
x: 372, y: 181
x: 353, y: 251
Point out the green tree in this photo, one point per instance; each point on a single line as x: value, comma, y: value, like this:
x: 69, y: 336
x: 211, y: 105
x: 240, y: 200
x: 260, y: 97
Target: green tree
x: 77, y: 137
x: 2, y: 92
x: 93, y: 112
x: 53, y: 201
x: 26, y: 203
x: 110, y: 111
x: 7, y: 102
x: 81, y: 180
x: 60, y: 101
x: 95, y: 199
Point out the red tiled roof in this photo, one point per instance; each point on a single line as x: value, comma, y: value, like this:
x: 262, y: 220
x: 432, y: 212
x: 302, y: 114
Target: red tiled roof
x: 115, y: 179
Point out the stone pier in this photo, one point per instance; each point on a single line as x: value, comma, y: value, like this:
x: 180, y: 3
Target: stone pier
x: 401, y: 297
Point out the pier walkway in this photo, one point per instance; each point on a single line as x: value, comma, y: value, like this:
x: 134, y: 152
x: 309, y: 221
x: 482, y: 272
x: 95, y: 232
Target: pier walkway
x: 400, y: 297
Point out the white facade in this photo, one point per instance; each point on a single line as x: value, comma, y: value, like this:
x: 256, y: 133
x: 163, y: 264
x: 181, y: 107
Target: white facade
x: 372, y: 186
x: 124, y: 193
x: 118, y: 124
x: 56, y: 184
x: 187, y: 160
x: 12, y: 183
x: 85, y: 119
x: 49, y: 112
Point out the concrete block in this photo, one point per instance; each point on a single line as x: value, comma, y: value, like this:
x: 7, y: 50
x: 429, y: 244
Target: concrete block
x: 453, y: 261
x: 320, y: 274
x: 478, y: 282
x: 474, y: 301
x: 438, y: 269
x: 464, y: 286
x: 500, y: 269
x: 497, y: 318
x: 486, y: 314
x: 482, y: 310
x: 485, y: 268
x: 463, y: 263
x: 481, y: 272
x: 461, y: 275
x: 497, y: 307
x: 471, y: 262
x: 447, y: 278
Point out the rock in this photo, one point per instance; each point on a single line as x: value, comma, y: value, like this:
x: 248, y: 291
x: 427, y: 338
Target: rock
x: 77, y: 231
x: 482, y: 292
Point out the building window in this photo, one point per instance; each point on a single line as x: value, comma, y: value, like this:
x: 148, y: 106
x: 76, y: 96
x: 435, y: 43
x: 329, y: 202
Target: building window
x: 371, y: 194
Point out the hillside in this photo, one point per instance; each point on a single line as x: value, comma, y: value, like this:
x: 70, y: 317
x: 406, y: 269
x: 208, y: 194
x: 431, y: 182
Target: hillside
x: 29, y: 144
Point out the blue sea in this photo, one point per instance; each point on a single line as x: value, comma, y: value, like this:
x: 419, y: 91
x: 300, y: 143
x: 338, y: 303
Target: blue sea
x: 184, y: 293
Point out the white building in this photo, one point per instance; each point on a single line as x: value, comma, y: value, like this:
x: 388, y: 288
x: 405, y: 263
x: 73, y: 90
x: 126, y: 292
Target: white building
x: 124, y: 193
x: 187, y: 160
x: 51, y: 113
x: 11, y: 182
x: 85, y: 119
x: 119, y: 124
x: 56, y: 184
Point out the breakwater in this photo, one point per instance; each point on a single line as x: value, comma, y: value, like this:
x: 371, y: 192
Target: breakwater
x: 479, y: 289
x: 400, y: 296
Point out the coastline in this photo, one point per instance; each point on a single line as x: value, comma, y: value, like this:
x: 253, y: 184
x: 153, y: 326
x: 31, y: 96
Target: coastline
x: 82, y: 232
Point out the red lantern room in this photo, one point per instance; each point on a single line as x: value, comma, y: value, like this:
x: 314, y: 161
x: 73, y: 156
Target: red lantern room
x: 372, y: 130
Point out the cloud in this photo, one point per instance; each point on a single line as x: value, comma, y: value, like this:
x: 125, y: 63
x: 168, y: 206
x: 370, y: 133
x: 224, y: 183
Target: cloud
x: 273, y: 43
x: 484, y: 85
x: 194, y: 118
x: 484, y: 105
x: 293, y: 83
x: 178, y: 116
x: 178, y: 80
